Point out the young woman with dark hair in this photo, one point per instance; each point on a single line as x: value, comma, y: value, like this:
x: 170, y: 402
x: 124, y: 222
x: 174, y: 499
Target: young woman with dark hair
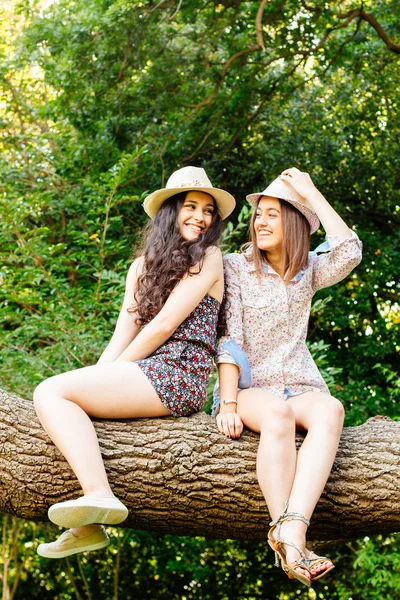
x: 269, y: 288
x: 158, y: 360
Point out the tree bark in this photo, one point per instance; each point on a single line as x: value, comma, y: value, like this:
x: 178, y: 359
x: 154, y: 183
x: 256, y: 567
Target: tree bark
x: 181, y: 476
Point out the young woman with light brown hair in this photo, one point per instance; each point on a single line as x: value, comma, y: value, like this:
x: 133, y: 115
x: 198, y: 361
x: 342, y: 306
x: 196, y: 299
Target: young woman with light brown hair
x: 268, y: 381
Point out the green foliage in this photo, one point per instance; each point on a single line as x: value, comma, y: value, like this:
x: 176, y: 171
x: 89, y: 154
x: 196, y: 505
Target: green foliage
x: 101, y: 100
x: 144, y: 565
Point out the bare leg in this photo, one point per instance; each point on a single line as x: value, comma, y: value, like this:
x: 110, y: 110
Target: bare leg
x: 273, y: 418
x: 322, y: 416
x: 279, y: 475
x: 65, y: 402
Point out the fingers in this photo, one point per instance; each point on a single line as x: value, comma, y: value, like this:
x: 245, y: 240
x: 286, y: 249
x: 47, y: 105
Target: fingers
x: 290, y: 172
x: 238, y: 425
x: 230, y: 424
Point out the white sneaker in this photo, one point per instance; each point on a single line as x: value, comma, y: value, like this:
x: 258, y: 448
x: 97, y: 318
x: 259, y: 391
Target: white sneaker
x: 68, y: 544
x: 87, y: 510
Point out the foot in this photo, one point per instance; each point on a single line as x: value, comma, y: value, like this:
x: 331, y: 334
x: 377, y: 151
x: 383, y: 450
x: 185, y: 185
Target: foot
x: 88, y: 509
x: 294, y: 532
x: 68, y: 544
x: 319, y: 565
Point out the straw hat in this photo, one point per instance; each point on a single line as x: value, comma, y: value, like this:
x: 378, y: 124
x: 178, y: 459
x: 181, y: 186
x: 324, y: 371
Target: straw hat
x: 185, y: 180
x: 284, y: 191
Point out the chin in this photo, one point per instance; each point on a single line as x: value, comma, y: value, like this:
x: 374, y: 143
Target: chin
x: 264, y: 245
x: 191, y: 238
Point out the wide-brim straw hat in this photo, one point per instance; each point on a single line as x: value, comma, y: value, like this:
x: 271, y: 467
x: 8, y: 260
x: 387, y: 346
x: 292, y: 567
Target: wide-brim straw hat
x: 284, y: 191
x: 186, y: 180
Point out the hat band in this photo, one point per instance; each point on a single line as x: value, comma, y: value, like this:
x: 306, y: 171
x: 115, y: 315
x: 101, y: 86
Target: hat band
x: 193, y: 183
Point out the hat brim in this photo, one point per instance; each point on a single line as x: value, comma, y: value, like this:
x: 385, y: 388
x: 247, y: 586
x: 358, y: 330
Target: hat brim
x: 309, y: 214
x: 225, y: 202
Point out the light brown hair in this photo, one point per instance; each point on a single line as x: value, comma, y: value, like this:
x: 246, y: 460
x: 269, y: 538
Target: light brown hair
x: 295, y: 241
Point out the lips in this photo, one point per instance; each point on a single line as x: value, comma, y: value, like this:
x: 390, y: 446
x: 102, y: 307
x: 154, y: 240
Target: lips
x: 194, y: 228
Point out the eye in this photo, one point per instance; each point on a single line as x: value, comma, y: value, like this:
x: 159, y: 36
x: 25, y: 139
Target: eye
x: 210, y: 211
x: 189, y: 205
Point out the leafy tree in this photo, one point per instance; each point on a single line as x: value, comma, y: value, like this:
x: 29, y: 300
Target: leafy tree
x: 101, y: 100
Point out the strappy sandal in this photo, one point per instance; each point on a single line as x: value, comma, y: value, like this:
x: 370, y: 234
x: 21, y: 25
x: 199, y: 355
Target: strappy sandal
x: 316, y: 560
x: 277, y: 545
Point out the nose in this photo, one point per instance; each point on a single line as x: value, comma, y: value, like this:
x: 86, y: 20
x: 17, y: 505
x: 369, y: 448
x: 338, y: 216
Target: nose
x: 263, y: 219
x: 198, y: 215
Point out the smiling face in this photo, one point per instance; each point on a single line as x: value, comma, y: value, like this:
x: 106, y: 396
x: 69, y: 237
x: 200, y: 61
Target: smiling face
x: 268, y: 224
x: 195, y: 215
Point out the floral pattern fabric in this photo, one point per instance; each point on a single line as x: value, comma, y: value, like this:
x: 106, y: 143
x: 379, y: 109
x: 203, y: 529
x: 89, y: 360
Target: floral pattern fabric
x: 179, y: 369
x: 268, y: 320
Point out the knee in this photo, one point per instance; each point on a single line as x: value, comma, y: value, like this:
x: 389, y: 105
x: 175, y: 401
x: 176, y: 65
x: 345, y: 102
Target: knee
x: 42, y: 395
x: 333, y: 414
x: 278, y: 419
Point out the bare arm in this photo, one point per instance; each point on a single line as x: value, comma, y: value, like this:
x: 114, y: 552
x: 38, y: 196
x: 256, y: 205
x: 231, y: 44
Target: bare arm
x: 126, y: 329
x: 302, y: 183
x: 228, y: 383
x: 228, y: 420
x: 180, y: 303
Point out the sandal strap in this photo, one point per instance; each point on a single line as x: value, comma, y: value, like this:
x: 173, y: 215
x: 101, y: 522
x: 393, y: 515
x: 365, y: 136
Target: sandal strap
x: 315, y: 558
x: 294, y: 516
x: 281, y: 516
x: 296, y: 564
x: 289, y: 516
x: 303, y: 561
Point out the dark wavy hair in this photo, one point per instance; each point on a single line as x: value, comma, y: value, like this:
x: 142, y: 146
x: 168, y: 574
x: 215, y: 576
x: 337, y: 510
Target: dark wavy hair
x: 295, y: 241
x: 168, y: 257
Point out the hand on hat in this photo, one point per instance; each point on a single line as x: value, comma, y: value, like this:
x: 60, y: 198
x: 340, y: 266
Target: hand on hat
x: 301, y: 182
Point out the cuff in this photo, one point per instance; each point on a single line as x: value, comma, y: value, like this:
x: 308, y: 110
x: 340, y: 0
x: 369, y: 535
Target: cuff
x: 334, y: 241
x: 232, y: 354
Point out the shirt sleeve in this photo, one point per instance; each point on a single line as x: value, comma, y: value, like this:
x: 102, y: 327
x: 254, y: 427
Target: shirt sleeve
x: 233, y: 311
x: 339, y: 257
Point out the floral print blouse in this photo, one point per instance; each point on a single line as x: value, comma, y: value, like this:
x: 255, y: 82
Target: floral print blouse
x: 267, y: 321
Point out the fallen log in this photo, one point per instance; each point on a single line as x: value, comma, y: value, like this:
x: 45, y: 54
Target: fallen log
x: 181, y: 476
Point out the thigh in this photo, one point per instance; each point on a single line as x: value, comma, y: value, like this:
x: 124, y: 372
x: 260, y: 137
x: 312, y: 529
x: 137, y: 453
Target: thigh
x: 314, y: 407
x: 255, y: 405
x: 118, y: 390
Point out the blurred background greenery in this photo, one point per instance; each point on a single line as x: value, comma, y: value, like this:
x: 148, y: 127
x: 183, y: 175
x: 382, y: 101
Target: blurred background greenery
x: 100, y: 101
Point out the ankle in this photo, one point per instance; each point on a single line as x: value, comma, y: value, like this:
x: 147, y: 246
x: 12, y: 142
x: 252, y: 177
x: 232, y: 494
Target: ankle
x: 98, y: 492
x: 86, y: 530
x: 295, y: 529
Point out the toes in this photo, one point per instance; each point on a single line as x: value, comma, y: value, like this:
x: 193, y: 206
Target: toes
x: 303, y: 572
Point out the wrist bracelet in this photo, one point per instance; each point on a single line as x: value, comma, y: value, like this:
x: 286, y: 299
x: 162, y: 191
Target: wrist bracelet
x: 232, y: 401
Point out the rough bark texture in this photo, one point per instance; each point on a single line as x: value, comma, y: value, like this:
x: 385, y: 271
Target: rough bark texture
x: 181, y: 476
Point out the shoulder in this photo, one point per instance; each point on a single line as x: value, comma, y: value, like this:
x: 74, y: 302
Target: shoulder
x: 235, y: 261
x: 134, y: 271
x: 136, y: 267
x: 213, y: 257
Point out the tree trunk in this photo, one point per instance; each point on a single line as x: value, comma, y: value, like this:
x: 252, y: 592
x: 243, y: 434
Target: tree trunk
x: 181, y: 476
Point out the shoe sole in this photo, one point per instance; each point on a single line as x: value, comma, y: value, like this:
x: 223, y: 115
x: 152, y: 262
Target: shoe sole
x: 50, y: 554
x: 292, y: 573
x: 78, y: 516
x: 296, y: 575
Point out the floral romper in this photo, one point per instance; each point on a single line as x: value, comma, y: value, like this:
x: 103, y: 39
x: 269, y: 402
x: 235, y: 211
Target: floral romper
x: 179, y: 369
